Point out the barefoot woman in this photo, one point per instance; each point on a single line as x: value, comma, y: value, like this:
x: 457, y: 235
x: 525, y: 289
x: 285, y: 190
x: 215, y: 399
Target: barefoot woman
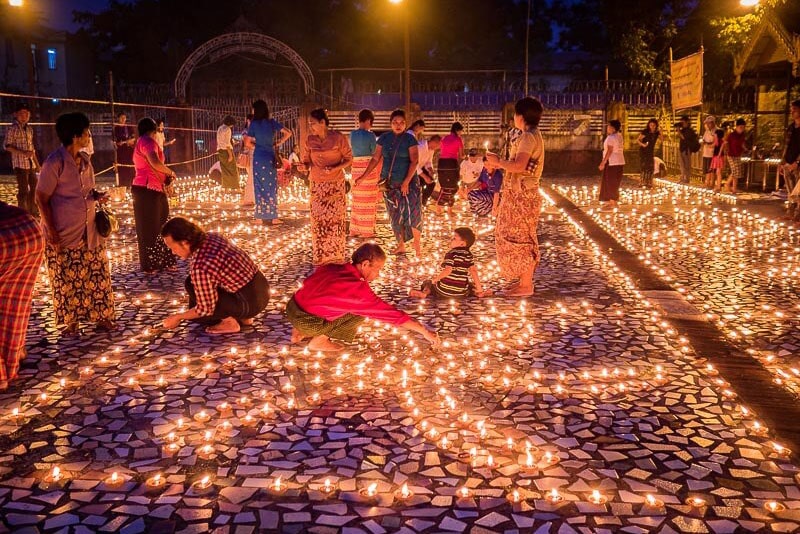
x: 336, y: 298
x: 399, y: 152
x: 518, y: 214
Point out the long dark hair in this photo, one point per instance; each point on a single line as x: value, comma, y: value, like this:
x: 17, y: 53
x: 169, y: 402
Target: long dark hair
x: 260, y: 110
x: 180, y: 229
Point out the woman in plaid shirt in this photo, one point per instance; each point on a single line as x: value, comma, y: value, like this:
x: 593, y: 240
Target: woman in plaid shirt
x: 226, y: 289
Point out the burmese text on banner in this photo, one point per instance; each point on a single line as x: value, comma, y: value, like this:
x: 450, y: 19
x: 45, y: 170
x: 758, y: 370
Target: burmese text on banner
x: 687, y: 81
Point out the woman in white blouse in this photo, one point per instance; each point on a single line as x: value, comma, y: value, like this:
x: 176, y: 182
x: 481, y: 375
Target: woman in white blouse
x: 611, y: 166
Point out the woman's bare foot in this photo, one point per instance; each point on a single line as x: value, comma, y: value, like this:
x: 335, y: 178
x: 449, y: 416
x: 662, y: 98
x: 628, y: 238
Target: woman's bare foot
x: 324, y: 344
x: 297, y: 336
x: 519, y: 291
x: 276, y: 222
x: 398, y: 251
x: 417, y: 294
x: 228, y: 325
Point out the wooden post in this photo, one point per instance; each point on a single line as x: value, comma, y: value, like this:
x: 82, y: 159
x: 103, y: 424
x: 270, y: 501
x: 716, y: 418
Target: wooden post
x: 113, y: 120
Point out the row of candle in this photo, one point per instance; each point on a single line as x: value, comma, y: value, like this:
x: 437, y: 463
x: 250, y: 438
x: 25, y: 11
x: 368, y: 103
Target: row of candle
x: 205, y: 484
x: 730, y: 231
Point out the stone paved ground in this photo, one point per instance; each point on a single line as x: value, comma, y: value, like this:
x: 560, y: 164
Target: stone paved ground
x: 581, y: 393
x: 739, y: 266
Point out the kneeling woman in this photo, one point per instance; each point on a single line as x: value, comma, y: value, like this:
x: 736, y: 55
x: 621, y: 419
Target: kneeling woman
x: 226, y: 289
x: 336, y: 298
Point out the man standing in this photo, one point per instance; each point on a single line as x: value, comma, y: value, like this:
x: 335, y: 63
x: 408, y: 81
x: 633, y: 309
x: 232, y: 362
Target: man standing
x: 688, y: 138
x: 791, y: 160
x: 227, y: 163
x: 19, y: 141
x: 225, y: 286
x: 21, y: 253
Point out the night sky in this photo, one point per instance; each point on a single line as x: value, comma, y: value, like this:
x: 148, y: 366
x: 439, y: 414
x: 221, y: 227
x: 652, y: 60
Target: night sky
x: 57, y: 14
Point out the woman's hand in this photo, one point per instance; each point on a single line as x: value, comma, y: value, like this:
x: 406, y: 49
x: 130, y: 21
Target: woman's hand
x: 404, y: 187
x: 433, y: 338
x: 172, y: 322
x: 602, y: 165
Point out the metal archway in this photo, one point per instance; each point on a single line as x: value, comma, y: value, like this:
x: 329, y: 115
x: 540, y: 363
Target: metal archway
x: 231, y: 43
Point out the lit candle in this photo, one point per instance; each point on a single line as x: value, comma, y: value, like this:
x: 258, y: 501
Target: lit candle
x: 780, y: 450
x: 249, y: 420
x: 327, y: 487
x: 202, y: 416
x: 203, y: 486
x: 277, y: 486
x: 464, y: 492
x: 115, y: 480
x: 696, y: 502
x: 206, y: 452
x: 370, y: 491
x: 55, y: 475
x: 548, y: 459
x: 652, y: 502
x: 597, y: 498
x: 758, y: 429
x: 553, y: 496
x: 155, y: 482
x: 774, y: 507
x: 404, y: 493
x: 514, y: 497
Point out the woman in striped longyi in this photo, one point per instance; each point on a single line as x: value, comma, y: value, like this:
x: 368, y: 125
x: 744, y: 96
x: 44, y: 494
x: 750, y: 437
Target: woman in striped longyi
x: 365, y: 192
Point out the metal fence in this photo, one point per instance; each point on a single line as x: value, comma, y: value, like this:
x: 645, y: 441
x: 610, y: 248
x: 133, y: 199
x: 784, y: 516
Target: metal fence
x: 194, y: 127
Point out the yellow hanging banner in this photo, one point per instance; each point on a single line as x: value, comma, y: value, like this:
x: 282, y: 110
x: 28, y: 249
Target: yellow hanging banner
x: 687, y: 81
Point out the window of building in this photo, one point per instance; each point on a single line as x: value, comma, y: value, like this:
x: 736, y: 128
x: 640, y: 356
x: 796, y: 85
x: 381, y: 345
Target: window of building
x: 51, y: 58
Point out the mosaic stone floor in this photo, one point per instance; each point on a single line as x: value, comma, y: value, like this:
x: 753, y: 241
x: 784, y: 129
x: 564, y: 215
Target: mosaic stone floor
x: 738, y: 266
x: 578, y: 410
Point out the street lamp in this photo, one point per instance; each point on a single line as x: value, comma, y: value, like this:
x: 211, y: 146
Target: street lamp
x: 407, y: 56
x: 749, y: 3
x: 15, y: 3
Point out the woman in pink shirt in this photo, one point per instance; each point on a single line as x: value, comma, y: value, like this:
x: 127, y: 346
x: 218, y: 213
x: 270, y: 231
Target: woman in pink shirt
x: 150, y: 204
x: 450, y: 155
x: 336, y: 298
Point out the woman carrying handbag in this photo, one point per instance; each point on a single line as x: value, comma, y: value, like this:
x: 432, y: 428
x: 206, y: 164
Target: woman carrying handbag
x: 151, y: 188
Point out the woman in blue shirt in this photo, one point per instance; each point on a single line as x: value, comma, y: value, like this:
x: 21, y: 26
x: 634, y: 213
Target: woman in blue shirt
x: 262, y: 131
x: 365, y: 193
x: 399, y: 153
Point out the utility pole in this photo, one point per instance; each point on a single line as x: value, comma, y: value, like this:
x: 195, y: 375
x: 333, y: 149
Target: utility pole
x: 527, y: 43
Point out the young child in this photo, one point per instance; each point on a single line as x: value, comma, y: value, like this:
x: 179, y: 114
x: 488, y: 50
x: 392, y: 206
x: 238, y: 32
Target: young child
x: 458, y: 267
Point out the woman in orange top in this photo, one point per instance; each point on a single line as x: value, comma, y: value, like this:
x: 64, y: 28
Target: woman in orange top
x: 326, y: 153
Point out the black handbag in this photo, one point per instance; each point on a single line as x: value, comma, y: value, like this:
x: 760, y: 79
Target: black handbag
x: 105, y: 221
